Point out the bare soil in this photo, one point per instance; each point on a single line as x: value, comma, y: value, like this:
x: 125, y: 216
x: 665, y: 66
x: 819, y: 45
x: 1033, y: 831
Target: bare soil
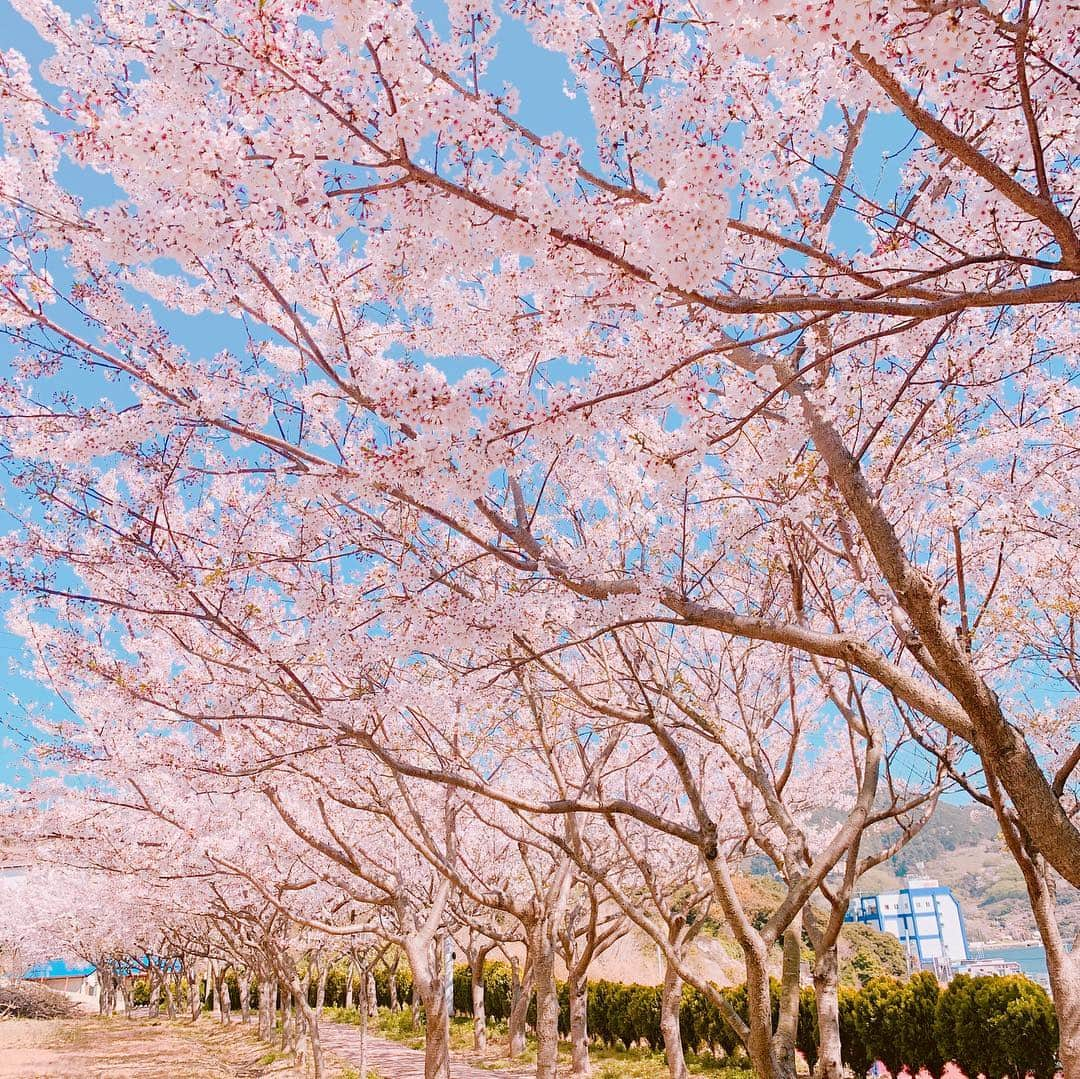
x: 95, y: 1048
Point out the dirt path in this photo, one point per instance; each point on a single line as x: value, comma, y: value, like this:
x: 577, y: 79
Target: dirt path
x: 393, y: 1061
x: 95, y: 1048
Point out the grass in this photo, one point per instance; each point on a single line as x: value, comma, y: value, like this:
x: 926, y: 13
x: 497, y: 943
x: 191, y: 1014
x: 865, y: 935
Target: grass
x: 349, y: 1072
x: 608, y: 1063
x: 271, y: 1056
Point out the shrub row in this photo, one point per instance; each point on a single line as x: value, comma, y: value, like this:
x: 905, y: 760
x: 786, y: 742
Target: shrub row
x: 990, y: 1025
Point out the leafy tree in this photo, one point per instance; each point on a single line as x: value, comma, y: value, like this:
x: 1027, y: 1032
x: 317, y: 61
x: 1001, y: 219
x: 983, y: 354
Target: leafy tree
x: 870, y: 955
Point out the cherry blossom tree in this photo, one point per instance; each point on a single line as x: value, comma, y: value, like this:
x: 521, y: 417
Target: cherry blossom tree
x: 728, y: 369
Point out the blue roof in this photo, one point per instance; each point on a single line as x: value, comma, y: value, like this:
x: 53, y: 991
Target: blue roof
x: 134, y: 969
x: 59, y: 968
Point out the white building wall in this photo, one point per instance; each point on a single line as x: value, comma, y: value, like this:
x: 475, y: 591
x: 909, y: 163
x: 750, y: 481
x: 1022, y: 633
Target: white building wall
x: 924, y: 917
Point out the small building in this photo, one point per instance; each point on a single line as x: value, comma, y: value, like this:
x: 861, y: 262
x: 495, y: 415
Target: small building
x: 65, y: 976
x: 990, y: 965
x: 924, y: 916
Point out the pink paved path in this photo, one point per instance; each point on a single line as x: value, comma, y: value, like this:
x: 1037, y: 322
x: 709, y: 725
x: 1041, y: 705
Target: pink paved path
x: 393, y: 1061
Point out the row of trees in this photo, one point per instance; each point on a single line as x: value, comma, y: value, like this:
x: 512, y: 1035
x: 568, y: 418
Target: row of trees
x: 431, y: 522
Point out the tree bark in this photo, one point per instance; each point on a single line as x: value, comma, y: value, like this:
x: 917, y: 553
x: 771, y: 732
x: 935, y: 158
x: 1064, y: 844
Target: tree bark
x: 1064, y: 971
x: 193, y: 994
x: 479, y: 1013
x: 320, y: 991
x: 153, y: 976
x: 830, y: 1064
x: 767, y: 1063
x: 787, y: 1027
x: 286, y: 1017
x: 267, y: 1007
x: 577, y: 988
x: 415, y: 1003
x: 349, y: 974
x: 311, y: 1022
x: 520, y: 995
x: 224, y: 1002
x: 542, y: 949
x: 106, y: 987
x: 670, y: 1002
x: 391, y: 978
x: 425, y: 958
x: 362, y: 1062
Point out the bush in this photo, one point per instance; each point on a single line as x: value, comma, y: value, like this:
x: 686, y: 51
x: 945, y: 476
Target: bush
x: 853, y: 1043
x: 918, y: 1046
x: 382, y: 986
x: 997, y: 1026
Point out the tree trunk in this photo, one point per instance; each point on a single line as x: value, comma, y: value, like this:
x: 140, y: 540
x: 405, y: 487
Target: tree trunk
x: 830, y: 1064
x: 243, y: 980
x: 577, y: 987
x: 267, y: 1007
x: 670, y: 1002
x: 320, y: 992
x: 426, y: 959
x: 372, y: 993
x: 520, y: 995
x: 787, y: 1026
x: 224, y: 1001
x: 311, y: 1022
x: 1062, y: 965
x: 286, y: 1017
x: 194, y: 1003
x: 349, y: 974
x: 395, y: 1004
x: 542, y: 947
x: 1064, y: 970
x: 106, y: 987
x: 437, y: 1037
x: 479, y: 1013
x: 766, y: 1062
x: 362, y: 1062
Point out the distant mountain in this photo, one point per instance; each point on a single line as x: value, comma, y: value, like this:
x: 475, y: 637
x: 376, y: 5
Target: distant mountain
x: 962, y: 847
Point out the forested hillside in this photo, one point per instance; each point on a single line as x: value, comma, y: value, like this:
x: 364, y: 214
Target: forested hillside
x: 962, y: 848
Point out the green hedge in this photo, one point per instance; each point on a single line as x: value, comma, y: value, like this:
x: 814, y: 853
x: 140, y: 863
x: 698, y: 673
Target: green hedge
x: 996, y: 1026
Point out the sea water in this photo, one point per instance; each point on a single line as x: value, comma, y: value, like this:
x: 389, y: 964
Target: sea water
x: 1031, y: 957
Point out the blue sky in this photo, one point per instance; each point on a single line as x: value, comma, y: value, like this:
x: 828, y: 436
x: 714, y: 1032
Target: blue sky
x: 542, y: 78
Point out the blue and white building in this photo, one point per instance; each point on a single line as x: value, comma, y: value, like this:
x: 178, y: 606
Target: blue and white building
x: 924, y: 916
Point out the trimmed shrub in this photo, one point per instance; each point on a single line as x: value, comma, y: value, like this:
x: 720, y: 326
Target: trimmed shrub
x: 382, y: 986
x: 997, y: 1026
x: 853, y: 1044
